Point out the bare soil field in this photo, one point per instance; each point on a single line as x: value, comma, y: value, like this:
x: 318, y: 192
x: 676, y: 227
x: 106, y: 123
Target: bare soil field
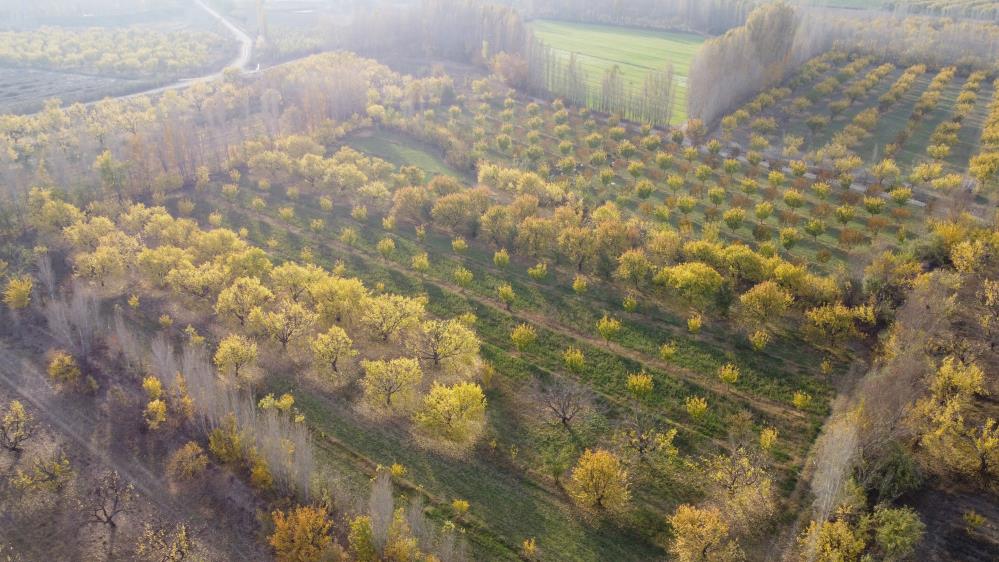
x: 24, y: 90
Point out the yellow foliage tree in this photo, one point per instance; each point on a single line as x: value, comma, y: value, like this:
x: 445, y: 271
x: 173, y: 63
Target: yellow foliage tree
x: 155, y: 413
x: 389, y: 315
x: 391, y: 384
x: 17, y: 295
x: 241, y: 298
x: 301, y: 535
x: 187, y: 462
x: 331, y: 349
x: 456, y: 413
x: 599, y: 482
x: 63, y: 368
x: 235, y: 355
x: 289, y: 320
x: 447, y: 344
x: 701, y: 535
x: 16, y: 426
x: 522, y: 336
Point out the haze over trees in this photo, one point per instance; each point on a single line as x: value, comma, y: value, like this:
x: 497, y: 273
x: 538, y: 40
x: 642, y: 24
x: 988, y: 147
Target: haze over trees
x: 448, y: 293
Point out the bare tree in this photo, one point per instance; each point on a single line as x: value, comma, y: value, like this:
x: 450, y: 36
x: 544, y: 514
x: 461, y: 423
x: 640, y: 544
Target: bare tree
x: 564, y: 401
x: 446, y: 544
x: 128, y: 343
x: 269, y: 431
x: 381, y: 507
x: 74, y: 321
x: 163, y: 359
x: 835, y: 454
x: 46, y: 274
x: 110, y: 497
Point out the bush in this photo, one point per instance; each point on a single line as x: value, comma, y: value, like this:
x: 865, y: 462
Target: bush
x: 302, y: 535
x: 187, y: 463
x: 63, y: 368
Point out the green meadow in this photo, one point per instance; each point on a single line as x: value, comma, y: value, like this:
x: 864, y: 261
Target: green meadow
x: 635, y: 51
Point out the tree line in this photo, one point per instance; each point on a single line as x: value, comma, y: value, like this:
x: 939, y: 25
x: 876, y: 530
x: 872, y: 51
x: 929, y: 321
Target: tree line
x: 920, y: 419
x: 704, y: 16
x: 461, y: 30
x: 158, y: 148
x: 777, y: 38
x: 552, y: 72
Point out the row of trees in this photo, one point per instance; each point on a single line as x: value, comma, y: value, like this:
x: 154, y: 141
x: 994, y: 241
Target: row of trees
x: 895, y: 437
x: 462, y: 30
x: 602, y: 478
x: 757, y: 120
x: 243, y: 434
x: 745, y: 60
x: 554, y: 72
x: 527, y: 228
x: 946, y: 8
x: 187, y: 134
x: 381, y: 532
x: 777, y: 38
x: 289, y: 305
x: 44, y: 9
x: 597, y: 241
x: 985, y: 165
x: 609, y: 156
x: 937, y: 42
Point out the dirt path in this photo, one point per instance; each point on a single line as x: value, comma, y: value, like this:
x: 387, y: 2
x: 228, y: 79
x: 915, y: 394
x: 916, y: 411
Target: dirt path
x: 240, y: 62
x: 85, y: 426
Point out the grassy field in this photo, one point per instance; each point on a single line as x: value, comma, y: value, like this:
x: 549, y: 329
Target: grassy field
x: 634, y: 51
x: 401, y: 151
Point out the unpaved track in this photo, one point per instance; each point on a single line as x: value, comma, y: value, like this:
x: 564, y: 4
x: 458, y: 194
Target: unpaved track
x: 76, y: 423
x: 240, y: 62
x: 85, y: 427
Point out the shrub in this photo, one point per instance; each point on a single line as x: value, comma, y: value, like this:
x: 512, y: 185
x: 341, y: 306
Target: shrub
x: 728, y: 373
x: 640, y: 384
x: 523, y: 336
x: 696, y: 407
x: 63, y: 368
x: 187, y: 462
x: 574, y: 359
x: 667, y: 351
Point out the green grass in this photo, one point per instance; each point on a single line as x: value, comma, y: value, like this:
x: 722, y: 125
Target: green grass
x: 510, y: 503
x: 497, y: 487
x: 401, y: 151
x: 505, y: 477
x: 634, y: 51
